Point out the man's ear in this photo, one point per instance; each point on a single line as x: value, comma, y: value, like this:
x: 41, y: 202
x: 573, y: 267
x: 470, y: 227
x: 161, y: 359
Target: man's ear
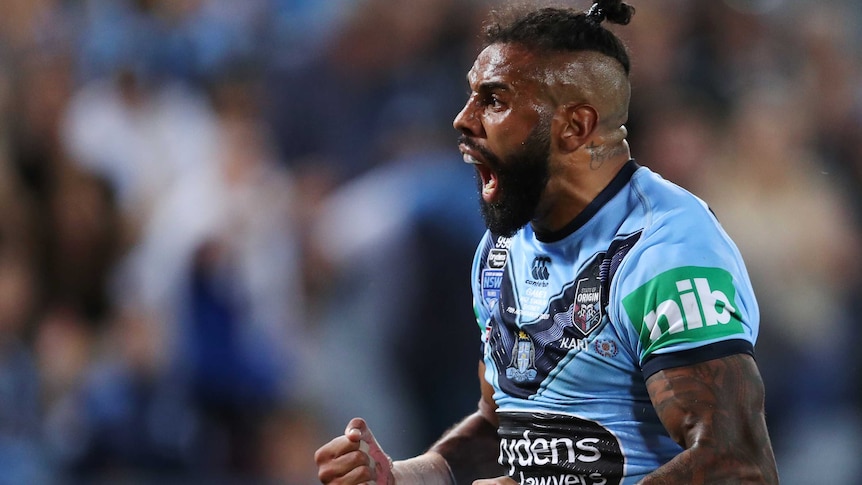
x: 577, y: 124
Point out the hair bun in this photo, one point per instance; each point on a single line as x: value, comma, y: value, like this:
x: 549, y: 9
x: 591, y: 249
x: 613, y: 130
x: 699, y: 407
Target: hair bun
x: 614, y: 11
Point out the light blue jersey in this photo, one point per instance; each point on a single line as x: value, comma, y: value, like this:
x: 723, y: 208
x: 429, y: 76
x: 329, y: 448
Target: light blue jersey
x: 574, y: 322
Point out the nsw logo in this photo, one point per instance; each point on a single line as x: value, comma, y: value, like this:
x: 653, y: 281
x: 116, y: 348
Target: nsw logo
x: 492, y: 281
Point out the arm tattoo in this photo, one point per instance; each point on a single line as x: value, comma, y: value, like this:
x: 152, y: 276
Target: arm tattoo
x: 714, y: 410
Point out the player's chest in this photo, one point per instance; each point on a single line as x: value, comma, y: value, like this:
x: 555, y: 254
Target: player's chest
x: 525, y: 287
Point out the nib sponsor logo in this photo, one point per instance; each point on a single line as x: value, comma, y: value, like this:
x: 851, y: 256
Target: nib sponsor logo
x: 689, y: 303
x: 693, y: 308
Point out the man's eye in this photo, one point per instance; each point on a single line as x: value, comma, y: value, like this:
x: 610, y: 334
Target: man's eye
x: 493, y: 101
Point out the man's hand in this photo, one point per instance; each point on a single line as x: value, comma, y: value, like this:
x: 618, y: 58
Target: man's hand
x: 496, y: 481
x: 354, y: 458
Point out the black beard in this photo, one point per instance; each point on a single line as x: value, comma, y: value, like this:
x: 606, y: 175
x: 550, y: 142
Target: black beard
x: 521, y: 179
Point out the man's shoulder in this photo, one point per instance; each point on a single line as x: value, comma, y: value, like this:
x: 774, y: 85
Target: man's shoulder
x: 679, y: 231
x: 667, y: 198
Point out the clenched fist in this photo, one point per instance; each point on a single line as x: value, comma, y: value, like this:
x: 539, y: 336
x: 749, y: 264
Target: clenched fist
x: 354, y: 458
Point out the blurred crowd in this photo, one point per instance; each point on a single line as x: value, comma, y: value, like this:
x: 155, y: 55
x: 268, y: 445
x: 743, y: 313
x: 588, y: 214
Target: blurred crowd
x: 227, y: 227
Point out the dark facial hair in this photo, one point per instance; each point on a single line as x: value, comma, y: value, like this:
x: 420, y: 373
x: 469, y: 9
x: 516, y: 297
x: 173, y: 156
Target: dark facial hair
x: 521, y: 179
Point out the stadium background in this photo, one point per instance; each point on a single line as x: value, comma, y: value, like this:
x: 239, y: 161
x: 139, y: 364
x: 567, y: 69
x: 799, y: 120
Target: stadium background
x: 226, y: 227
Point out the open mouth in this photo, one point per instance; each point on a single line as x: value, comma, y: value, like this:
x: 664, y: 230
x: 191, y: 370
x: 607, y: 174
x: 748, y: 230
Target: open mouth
x: 486, y: 175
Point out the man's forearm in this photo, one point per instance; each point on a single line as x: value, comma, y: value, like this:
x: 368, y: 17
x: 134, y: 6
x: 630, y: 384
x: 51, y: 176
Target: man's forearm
x: 427, y: 469
x: 466, y: 452
x: 463, y: 454
x: 692, y: 467
x: 471, y: 449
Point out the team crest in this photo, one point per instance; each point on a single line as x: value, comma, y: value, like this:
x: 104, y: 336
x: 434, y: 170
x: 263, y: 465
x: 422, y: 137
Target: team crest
x: 522, y: 367
x: 587, y: 310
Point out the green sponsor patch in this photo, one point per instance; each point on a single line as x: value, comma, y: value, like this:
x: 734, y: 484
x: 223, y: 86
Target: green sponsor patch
x: 687, y: 304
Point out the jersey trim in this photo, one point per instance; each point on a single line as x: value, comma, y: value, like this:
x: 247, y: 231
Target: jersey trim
x: 717, y: 350
x: 619, y: 181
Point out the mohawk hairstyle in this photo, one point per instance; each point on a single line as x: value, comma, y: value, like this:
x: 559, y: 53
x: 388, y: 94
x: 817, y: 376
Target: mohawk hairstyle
x: 561, y: 29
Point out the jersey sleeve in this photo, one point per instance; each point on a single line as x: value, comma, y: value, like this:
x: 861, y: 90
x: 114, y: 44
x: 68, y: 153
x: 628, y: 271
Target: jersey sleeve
x: 485, y: 287
x: 683, y: 296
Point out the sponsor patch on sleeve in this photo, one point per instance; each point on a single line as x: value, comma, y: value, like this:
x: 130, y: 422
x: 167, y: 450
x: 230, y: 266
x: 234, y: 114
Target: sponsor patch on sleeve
x: 684, y: 305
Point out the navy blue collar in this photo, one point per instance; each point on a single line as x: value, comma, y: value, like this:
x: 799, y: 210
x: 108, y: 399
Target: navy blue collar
x: 620, y: 180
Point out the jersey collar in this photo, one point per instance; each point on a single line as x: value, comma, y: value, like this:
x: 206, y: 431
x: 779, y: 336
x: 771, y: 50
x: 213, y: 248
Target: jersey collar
x: 620, y: 180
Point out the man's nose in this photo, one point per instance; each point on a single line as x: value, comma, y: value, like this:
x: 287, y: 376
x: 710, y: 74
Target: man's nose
x: 467, y: 121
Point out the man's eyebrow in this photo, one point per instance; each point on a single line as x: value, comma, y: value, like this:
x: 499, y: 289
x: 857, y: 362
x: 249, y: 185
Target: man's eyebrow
x: 487, y: 86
